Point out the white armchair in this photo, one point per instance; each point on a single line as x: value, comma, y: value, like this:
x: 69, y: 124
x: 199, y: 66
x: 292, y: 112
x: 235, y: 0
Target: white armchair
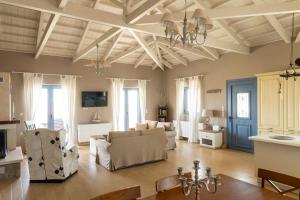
x: 50, y: 159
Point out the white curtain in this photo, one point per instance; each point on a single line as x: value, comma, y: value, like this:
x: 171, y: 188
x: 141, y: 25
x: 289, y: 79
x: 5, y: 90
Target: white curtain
x: 33, y: 84
x: 118, y: 103
x: 142, y: 84
x: 195, y: 105
x: 179, y: 104
x: 68, y: 85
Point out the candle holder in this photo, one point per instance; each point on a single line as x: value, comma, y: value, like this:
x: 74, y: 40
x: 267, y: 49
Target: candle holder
x: 210, y: 183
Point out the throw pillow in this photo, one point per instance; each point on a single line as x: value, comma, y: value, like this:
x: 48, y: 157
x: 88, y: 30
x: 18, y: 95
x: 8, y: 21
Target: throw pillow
x: 152, y: 124
x: 160, y: 125
x: 141, y: 126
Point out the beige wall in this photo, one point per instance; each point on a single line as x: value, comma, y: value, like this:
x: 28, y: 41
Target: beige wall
x: 230, y: 66
x: 90, y: 81
x: 5, y: 111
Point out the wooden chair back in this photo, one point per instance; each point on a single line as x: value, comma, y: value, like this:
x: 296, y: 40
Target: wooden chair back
x: 30, y: 125
x: 169, y: 182
x: 131, y: 193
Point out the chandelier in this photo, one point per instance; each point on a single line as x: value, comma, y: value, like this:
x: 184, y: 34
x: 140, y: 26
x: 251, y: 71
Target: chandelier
x: 100, y: 66
x: 192, y: 34
x: 290, y: 71
x: 210, y: 183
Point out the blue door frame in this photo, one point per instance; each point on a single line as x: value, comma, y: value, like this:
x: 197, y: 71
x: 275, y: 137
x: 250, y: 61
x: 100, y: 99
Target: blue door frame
x: 241, y: 125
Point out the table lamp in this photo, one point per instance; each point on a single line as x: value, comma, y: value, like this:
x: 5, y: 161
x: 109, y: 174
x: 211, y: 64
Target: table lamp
x: 207, y: 114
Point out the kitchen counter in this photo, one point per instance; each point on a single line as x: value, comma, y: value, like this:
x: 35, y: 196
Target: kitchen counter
x: 275, y: 155
x: 267, y: 138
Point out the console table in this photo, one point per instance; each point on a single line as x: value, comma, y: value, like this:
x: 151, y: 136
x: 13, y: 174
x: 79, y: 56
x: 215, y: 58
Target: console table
x: 85, y: 131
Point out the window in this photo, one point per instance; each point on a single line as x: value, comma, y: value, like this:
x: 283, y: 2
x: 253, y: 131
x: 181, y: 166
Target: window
x: 51, y: 111
x: 186, y: 95
x: 132, y: 107
x: 243, y: 106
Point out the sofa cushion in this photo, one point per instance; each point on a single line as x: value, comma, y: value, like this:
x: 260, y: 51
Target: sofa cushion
x: 151, y: 124
x: 168, y: 126
x: 141, y: 126
x: 120, y: 134
x: 153, y: 131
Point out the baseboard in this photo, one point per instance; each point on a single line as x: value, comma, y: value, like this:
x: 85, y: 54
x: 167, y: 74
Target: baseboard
x: 53, y: 180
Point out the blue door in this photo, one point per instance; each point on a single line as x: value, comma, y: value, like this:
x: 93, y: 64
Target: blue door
x: 242, y: 113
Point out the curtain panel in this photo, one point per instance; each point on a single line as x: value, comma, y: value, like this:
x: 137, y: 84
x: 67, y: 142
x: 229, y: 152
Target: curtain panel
x: 142, y: 85
x: 68, y: 85
x: 33, y: 84
x: 118, y: 104
x: 195, y: 105
x: 179, y: 104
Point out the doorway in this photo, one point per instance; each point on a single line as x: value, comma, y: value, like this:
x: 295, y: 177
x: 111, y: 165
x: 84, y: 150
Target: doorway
x: 242, y: 113
x: 132, y: 109
x: 51, y: 110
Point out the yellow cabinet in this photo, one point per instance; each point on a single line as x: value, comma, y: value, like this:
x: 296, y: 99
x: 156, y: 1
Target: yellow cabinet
x: 291, y: 103
x: 270, y: 104
x: 278, y: 104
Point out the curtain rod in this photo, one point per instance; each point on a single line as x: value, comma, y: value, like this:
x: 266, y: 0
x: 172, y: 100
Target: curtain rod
x: 200, y: 75
x: 79, y: 76
x: 128, y: 79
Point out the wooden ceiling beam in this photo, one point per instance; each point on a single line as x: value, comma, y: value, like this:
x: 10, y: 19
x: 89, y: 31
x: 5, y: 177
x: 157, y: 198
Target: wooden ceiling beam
x: 232, y: 12
x: 147, y: 49
x: 112, y: 46
x: 103, y: 38
x: 142, y: 10
x: 127, y: 52
x: 174, y: 55
x: 86, y: 29
x: 101, y: 17
x: 167, y: 64
x: 191, y: 50
x: 49, y: 28
x: 275, y: 24
x: 40, y: 28
x: 140, y: 60
x: 211, y: 52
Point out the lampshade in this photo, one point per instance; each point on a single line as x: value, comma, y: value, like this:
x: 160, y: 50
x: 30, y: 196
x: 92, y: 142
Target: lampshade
x: 199, y: 16
x: 167, y: 19
x: 207, y: 113
x: 209, y: 24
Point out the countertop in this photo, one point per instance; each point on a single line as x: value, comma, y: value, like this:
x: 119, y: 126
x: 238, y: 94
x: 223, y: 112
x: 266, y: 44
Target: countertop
x: 266, y: 138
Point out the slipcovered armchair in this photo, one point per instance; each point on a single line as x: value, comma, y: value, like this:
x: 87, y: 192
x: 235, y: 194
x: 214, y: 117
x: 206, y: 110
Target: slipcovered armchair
x: 50, y: 159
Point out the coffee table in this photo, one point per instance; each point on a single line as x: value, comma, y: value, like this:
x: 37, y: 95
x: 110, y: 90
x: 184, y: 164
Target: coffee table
x: 231, y: 189
x: 10, y: 166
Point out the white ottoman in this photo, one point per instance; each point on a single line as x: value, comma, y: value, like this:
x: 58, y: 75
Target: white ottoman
x: 93, y: 139
x: 171, y: 140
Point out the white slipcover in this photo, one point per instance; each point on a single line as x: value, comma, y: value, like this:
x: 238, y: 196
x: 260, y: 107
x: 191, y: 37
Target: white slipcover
x: 49, y: 157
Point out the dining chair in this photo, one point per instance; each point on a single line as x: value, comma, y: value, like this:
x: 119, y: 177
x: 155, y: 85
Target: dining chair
x: 169, y: 182
x: 131, y: 193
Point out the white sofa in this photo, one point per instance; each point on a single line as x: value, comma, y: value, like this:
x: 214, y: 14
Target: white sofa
x: 49, y: 157
x: 127, y: 148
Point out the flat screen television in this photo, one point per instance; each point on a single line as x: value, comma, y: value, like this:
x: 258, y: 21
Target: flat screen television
x: 94, y: 99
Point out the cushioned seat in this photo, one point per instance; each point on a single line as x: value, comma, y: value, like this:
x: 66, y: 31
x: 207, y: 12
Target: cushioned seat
x: 171, y: 140
x: 50, y: 159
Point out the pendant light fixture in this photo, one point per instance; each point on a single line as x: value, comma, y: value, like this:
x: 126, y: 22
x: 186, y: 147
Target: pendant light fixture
x: 290, y: 71
x: 193, y: 34
x: 100, y: 67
